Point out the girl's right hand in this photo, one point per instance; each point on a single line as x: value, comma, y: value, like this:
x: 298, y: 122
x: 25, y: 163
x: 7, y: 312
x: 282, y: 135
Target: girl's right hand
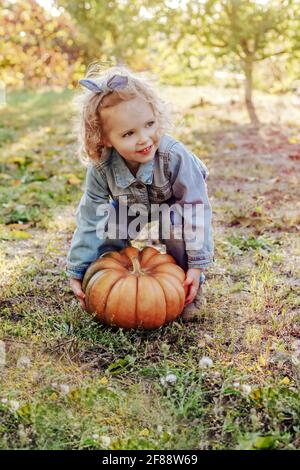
x: 76, y: 288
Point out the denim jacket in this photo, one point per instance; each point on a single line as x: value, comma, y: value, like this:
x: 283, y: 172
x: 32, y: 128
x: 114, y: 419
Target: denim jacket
x: 174, y: 174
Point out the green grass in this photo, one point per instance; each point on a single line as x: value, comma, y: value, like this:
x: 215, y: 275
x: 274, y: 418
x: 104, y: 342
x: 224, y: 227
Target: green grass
x: 70, y: 383
x: 37, y: 153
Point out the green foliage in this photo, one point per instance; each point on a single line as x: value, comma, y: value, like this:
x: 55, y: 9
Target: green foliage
x: 243, y: 243
x: 36, y: 48
x: 243, y: 32
x: 249, y: 29
x: 114, y: 31
x: 182, y: 45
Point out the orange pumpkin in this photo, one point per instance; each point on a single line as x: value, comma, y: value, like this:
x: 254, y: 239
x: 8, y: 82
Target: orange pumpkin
x: 133, y: 288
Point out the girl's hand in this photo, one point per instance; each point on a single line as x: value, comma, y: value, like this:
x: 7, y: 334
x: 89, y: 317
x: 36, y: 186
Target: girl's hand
x: 192, y: 280
x: 76, y: 288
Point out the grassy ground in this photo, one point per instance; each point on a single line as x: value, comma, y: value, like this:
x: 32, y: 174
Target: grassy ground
x: 67, y: 382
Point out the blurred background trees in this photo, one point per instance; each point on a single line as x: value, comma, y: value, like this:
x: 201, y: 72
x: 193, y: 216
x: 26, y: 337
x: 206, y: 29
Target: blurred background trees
x: 246, y: 31
x: 37, y: 48
x: 182, y: 42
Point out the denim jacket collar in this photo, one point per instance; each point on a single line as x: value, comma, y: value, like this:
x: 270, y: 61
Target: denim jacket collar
x: 123, y: 175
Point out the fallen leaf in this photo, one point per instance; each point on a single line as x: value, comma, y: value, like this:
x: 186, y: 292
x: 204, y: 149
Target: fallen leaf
x: 19, y: 226
x: 264, y: 442
x: 232, y: 145
x: 17, y: 159
x: 103, y: 381
x: 15, y: 182
x: 262, y: 361
x: 294, y: 156
x: 72, y: 179
x: 285, y: 381
x: 15, y: 235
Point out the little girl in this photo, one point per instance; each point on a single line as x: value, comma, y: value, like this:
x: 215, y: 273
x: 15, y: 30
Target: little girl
x: 131, y: 160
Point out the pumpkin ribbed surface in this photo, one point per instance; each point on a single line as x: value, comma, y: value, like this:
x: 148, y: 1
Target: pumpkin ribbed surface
x: 134, y: 288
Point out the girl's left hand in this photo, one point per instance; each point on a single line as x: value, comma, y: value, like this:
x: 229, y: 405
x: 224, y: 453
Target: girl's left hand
x: 192, y: 280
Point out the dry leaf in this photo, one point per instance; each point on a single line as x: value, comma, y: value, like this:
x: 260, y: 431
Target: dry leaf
x: 73, y: 179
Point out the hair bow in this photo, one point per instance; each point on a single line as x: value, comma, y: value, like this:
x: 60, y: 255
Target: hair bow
x: 116, y: 82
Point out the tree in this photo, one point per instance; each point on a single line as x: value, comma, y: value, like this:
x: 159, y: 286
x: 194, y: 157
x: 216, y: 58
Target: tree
x: 247, y: 30
x: 36, y: 48
x: 114, y: 30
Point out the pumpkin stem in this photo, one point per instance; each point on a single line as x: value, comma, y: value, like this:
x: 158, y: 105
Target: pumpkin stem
x: 136, y: 265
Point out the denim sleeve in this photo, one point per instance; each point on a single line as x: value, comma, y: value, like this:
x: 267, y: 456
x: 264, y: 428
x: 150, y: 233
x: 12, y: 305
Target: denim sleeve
x: 188, y: 174
x: 85, y: 242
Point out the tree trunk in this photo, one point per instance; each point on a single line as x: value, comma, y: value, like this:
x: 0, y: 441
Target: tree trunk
x: 248, y: 70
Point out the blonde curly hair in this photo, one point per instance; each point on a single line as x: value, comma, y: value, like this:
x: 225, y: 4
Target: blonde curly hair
x: 88, y: 126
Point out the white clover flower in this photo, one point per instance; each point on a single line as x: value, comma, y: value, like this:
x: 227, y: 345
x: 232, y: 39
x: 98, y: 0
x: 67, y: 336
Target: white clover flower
x: 246, y: 389
x: 14, y: 405
x: 64, y: 388
x: 205, y: 362
x: 171, y: 379
x: 24, y: 361
x: 105, y: 441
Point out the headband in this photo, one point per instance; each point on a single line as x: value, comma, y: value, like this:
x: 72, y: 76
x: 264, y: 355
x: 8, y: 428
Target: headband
x: 117, y: 82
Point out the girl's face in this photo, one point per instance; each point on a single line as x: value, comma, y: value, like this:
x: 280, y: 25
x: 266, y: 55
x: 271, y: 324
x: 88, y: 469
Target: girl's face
x: 131, y: 128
